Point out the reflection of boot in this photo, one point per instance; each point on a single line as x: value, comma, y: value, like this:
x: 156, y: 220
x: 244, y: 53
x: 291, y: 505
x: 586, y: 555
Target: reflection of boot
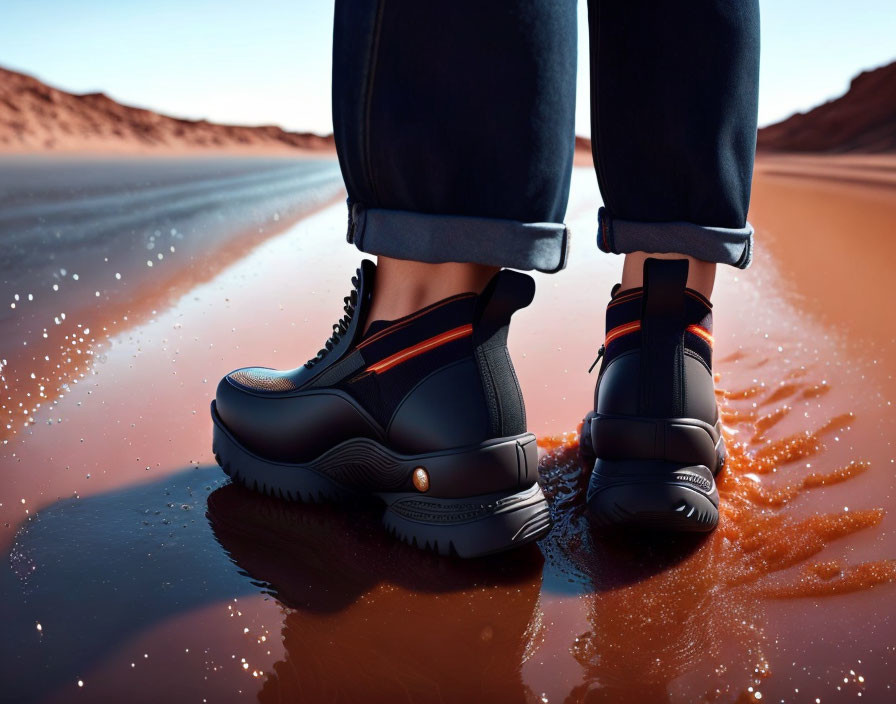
x: 364, y: 623
x: 662, y: 624
x: 655, y: 430
x: 424, y: 412
x: 312, y: 556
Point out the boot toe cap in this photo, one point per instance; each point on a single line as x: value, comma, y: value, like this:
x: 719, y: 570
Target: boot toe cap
x: 287, y: 427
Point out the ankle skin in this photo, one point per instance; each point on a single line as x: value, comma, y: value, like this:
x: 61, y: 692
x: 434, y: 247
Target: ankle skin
x: 701, y: 274
x: 404, y: 286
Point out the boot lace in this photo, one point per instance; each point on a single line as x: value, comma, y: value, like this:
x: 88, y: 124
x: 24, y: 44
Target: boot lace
x: 341, y: 326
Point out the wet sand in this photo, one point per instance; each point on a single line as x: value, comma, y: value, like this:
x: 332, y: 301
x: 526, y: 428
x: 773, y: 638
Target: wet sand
x: 94, y: 245
x: 149, y: 574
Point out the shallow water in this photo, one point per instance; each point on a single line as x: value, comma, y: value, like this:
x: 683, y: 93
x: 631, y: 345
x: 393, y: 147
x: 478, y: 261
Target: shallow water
x: 134, y: 567
x: 90, y: 247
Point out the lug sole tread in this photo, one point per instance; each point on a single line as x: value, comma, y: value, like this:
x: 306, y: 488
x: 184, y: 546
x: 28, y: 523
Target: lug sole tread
x: 494, y: 530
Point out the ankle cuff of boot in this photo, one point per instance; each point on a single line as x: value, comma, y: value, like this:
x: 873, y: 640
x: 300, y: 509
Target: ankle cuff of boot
x: 624, y: 318
x: 416, y: 333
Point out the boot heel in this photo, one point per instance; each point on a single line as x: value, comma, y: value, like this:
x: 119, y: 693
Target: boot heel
x: 653, y: 495
x: 469, y: 527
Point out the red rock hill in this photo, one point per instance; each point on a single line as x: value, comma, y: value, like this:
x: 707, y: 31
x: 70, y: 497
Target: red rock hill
x: 861, y: 120
x: 35, y: 117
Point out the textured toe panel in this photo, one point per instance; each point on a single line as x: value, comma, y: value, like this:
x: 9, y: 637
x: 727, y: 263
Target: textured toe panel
x: 261, y: 379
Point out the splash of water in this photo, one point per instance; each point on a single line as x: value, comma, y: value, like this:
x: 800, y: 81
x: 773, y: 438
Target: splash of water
x: 682, y: 618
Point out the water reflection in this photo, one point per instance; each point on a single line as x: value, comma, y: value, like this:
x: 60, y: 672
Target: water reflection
x: 365, y: 614
x: 93, y: 246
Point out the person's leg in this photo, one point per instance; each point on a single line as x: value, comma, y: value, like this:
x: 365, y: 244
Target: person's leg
x: 454, y: 128
x: 674, y: 101
x: 674, y: 97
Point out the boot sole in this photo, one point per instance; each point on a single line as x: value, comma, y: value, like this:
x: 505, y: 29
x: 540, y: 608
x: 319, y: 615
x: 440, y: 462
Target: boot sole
x: 655, y: 494
x: 466, y: 526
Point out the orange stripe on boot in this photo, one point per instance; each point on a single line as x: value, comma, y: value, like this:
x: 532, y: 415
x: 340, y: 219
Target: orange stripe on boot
x: 627, y: 328
x: 621, y: 330
x: 421, y: 347
x: 703, y: 333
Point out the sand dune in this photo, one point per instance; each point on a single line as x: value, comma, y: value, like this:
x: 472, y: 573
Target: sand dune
x: 35, y: 117
x: 861, y: 120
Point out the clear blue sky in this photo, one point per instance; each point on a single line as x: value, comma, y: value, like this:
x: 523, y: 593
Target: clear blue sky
x: 268, y: 61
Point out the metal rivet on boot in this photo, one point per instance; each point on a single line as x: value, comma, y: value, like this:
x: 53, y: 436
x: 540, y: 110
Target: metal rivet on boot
x: 421, y: 479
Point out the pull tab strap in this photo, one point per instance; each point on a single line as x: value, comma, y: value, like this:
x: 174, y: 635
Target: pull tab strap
x: 506, y: 293
x: 662, y: 330
x: 664, y: 283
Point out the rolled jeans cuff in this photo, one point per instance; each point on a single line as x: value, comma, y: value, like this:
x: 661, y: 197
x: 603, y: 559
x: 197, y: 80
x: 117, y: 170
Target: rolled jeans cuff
x: 722, y: 245
x: 424, y: 237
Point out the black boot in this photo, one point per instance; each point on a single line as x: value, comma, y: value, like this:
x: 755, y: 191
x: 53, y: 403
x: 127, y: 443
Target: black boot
x: 423, y: 412
x: 655, y: 434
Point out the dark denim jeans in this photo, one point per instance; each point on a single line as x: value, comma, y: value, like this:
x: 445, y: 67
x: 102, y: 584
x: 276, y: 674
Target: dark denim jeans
x: 454, y: 124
